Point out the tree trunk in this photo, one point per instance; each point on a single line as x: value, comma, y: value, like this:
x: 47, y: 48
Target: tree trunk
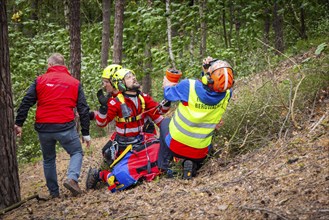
x: 267, y: 27
x: 278, y: 28
x: 303, y: 34
x: 9, y: 180
x: 34, y: 7
x: 224, y: 25
x: 171, y: 55
x: 148, y: 68
x: 203, y: 26
x: 66, y: 14
x: 118, y: 31
x: 106, y: 32
x: 147, y: 83
x: 75, y: 38
x: 232, y: 20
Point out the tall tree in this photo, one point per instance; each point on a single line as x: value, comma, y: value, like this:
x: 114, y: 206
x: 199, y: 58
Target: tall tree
x: 224, y: 24
x: 171, y: 55
x: 203, y: 26
x: 106, y: 32
x: 147, y: 82
x: 267, y: 25
x: 118, y: 31
x: 9, y: 181
x: 75, y: 38
x: 303, y: 34
x: 66, y: 14
x: 278, y: 27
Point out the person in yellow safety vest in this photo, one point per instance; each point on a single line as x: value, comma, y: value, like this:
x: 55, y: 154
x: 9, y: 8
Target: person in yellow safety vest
x: 188, y: 134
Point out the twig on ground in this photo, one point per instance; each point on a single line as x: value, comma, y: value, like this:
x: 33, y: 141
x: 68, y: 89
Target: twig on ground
x: 289, y: 111
x: 265, y: 210
x: 16, y: 205
x: 316, y: 124
x: 293, y: 102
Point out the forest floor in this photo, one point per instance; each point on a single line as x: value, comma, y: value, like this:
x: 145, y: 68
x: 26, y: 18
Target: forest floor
x: 288, y: 179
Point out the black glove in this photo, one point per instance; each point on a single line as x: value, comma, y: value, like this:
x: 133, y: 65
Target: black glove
x: 103, y: 101
x: 91, y: 115
x: 167, y: 104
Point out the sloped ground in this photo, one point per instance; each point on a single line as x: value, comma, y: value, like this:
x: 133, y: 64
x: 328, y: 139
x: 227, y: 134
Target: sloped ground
x: 289, y: 179
x: 282, y: 181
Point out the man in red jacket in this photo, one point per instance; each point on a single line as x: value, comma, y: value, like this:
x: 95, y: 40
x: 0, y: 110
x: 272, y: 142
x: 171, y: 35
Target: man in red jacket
x: 57, y: 95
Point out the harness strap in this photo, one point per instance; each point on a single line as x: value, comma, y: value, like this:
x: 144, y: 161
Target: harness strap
x: 128, y: 148
x: 121, y: 98
x: 143, y: 168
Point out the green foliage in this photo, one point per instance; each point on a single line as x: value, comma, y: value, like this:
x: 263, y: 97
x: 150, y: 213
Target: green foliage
x: 32, y: 41
x: 262, y: 110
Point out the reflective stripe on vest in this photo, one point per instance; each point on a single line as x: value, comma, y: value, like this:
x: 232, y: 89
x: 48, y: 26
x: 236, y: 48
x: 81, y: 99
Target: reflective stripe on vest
x: 193, y: 125
x: 133, y: 118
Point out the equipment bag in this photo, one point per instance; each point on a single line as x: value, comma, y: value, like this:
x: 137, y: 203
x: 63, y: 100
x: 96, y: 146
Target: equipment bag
x: 140, y: 163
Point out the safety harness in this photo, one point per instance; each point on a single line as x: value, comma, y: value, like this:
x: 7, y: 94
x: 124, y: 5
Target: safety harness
x: 121, y: 99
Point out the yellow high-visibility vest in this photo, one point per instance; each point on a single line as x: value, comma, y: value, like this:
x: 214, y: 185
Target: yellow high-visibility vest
x: 193, y: 125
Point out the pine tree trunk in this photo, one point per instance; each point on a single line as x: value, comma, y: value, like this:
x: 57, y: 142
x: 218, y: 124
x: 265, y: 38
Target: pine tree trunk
x: 147, y: 83
x: 171, y: 55
x: 224, y: 25
x: 106, y: 32
x: 278, y: 28
x: 303, y: 34
x: 267, y: 27
x: 203, y: 26
x: 75, y: 39
x: 9, y: 180
x: 118, y: 31
x: 66, y: 15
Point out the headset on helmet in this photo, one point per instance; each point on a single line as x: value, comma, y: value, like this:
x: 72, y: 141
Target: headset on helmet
x: 110, y: 70
x: 219, y: 76
x: 118, y: 77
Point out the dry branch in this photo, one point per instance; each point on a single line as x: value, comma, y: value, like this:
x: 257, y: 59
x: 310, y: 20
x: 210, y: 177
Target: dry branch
x: 16, y: 205
x: 265, y: 210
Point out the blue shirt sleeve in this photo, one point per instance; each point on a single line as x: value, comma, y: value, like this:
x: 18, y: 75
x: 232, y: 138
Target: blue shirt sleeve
x: 180, y: 92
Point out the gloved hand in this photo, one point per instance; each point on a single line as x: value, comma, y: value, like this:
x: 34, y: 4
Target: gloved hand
x: 166, y: 83
x: 102, y: 99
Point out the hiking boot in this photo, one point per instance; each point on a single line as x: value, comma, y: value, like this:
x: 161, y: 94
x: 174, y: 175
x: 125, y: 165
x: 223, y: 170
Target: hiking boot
x: 73, y: 186
x: 92, y: 178
x: 187, y: 170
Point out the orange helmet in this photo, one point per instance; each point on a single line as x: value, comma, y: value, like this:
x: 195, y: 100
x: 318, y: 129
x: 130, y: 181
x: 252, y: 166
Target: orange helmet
x: 219, y: 76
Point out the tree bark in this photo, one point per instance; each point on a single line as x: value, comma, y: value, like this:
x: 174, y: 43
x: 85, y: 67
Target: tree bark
x: 106, y: 32
x: 66, y: 15
x: 171, y: 55
x: 278, y: 28
x: 118, y: 31
x: 9, y: 180
x: 147, y: 83
x: 267, y: 27
x: 148, y: 68
x: 303, y: 34
x: 75, y: 38
x: 224, y: 25
x: 203, y: 26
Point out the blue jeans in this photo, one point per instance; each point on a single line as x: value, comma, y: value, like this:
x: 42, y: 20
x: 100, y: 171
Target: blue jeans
x: 70, y: 141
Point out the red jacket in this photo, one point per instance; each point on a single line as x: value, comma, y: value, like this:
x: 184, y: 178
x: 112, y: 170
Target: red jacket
x: 57, y: 93
x: 133, y: 128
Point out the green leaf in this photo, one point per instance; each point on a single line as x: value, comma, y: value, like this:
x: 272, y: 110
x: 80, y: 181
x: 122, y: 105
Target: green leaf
x: 320, y: 48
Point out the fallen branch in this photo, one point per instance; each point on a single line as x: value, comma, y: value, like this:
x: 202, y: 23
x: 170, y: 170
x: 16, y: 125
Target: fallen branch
x: 316, y: 124
x: 16, y: 205
x: 293, y: 103
x: 265, y: 210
